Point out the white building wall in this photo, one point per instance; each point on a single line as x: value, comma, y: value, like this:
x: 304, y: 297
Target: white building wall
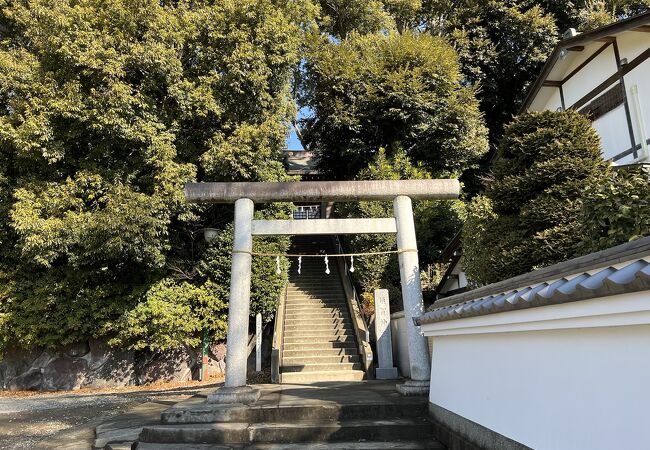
x: 639, y: 77
x: 597, y: 71
x: 613, y: 126
x: 572, y: 376
x: 614, y: 135
x: 400, y: 343
x: 555, y: 101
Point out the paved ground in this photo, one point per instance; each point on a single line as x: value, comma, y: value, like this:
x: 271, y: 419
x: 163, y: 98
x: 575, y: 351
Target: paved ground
x: 47, y: 421
x: 74, y: 421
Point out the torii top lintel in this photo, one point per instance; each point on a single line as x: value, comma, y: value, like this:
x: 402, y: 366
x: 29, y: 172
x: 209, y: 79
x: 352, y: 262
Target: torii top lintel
x: 320, y: 191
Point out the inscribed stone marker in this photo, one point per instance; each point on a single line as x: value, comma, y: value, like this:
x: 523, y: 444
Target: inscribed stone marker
x: 385, y: 369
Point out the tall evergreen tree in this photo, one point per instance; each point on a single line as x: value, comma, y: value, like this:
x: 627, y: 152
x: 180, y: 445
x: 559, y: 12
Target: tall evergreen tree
x: 106, y: 110
x: 401, y: 91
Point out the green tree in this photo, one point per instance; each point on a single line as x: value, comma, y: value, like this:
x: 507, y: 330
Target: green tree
x: 596, y: 13
x: 106, y: 110
x: 339, y: 18
x: 400, y: 91
x: 529, y: 216
x: 502, y: 46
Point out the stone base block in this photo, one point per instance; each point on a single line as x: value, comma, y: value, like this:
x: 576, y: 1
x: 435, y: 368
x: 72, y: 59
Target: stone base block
x: 239, y: 394
x: 386, y: 373
x: 413, y: 387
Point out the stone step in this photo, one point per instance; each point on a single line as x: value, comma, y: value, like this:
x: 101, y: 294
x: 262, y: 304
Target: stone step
x: 305, y: 302
x: 315, y: 313
x: 319, y: 377
x: 294, y: 432
x: 315, y: 286
x: 316, y: 289
x: 307, y: 327
x: 126, y: 445
x: 311, y: 334
x: 316, y: 346
x: 320, y: 296
x: 349, y: 445
x: 317, y: 359
x: 197, y: 411
x: 316, y: 317
x: 320, y: 286
x: 316, y: 326
x: 318, y: 339
x: 325, y: 367
x: 303, y: 319
x: 319, y: 351
x: 311, y: 301
x: 307, y: 306
x: 328, y: 331
x: 339, y: 297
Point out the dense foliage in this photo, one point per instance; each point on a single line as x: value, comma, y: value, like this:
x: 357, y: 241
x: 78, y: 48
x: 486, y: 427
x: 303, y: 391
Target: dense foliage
x: 617, y: 210
x: 401, y: 91
x: 106, y: 110
x: 529, y: 216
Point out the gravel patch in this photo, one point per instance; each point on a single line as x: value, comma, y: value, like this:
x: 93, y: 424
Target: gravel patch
x: 26, y: 422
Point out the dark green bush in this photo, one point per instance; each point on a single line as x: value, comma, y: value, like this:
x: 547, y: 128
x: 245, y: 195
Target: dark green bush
x: 617, y: 210
x: 530, y: 214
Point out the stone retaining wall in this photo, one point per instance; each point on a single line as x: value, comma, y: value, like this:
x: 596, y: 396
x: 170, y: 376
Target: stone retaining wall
x: 93, y: 364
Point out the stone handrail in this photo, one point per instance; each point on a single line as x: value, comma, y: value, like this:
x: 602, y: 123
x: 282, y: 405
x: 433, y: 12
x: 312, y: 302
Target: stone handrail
x: 278, y: 331
x: 361, y: 329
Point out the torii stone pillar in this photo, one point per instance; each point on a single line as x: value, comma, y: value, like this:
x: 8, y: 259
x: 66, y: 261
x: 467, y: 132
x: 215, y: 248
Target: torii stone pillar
x: 235, y: 390
x: 409, y: 271
x: 401, y: 192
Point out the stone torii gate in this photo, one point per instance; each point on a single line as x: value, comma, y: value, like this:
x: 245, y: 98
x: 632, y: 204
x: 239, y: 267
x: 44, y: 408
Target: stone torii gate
x: 245, y: 195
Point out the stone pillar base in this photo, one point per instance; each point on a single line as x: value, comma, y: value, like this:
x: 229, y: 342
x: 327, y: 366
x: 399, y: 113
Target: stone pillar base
x: 413, y: 387
x: 239, y: 394
x: 386, y: 373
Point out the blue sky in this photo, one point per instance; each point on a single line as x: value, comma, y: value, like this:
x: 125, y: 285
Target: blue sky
x: 292, y: 141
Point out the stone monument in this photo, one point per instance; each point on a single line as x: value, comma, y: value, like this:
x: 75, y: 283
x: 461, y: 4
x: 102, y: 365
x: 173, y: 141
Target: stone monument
x: 385, y: 369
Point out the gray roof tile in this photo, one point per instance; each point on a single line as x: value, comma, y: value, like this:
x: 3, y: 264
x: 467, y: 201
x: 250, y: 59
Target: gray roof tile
x: 632, y: 277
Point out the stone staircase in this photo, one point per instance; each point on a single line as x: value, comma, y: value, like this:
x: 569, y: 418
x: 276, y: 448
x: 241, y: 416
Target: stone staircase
x: 319, y: 341
x: 336, y: 415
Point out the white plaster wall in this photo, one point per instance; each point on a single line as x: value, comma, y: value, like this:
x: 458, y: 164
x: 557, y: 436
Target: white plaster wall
x: 632, y: 44
x: 597, y: 71
x: 561, y: 388
x: 555, y: 101
x: 640, y: 77
x: 612, y: 127
x: 400, y: 343
x: 614, y: 134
